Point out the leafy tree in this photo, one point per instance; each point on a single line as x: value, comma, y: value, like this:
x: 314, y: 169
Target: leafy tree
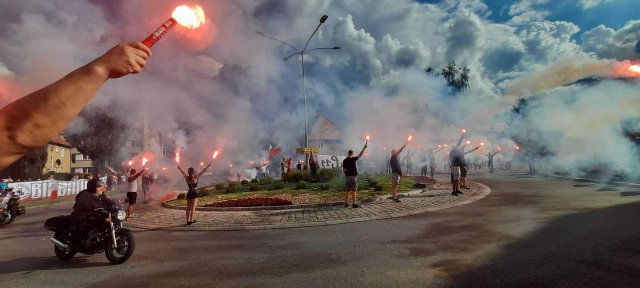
x: 100, y: 137
x: 457, y: 78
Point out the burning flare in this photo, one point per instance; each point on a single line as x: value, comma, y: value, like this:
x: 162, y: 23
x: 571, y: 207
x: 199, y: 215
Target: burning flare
x: 367, y: 137
x: 130, y: 163
x: 215, y: 154
x: 410, y: 137
x: 190, y: 17
x: 468, y: 142
x: 177, y: 156
x: 144, y: 161
x: 635, y: 68
x: 464, y: 130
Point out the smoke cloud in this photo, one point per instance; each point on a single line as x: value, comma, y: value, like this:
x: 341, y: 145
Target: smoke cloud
x: 225, y: 87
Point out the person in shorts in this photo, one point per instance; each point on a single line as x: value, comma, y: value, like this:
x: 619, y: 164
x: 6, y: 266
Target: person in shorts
x: 132, y: 190
x: 351, y: 175
x: 396, y: 172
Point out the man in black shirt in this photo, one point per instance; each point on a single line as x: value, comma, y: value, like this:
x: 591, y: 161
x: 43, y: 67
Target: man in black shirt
x: 396, y: 171
x: 351, y: 175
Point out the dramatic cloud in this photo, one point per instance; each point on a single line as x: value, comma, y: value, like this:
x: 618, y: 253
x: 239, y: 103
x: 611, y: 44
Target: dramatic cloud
x: 588, y: 4
x: 226, y: 86
x: 608, y: 43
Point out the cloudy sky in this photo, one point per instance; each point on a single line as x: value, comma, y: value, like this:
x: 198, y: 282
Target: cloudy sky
x: 223, y: 85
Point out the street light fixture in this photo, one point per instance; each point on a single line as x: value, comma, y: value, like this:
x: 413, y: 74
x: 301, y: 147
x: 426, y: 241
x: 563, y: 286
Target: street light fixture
x: 304, y: 90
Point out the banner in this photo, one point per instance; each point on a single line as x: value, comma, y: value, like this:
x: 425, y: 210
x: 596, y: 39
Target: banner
x: 330, y: 161
x: 38, y: 190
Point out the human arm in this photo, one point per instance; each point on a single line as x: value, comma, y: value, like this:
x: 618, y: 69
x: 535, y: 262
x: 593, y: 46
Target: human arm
x: 183, y: 174
x: 459, y: 142
x: 132, y: 178
x: 402, y: 148
x: 362, y: 151
x: 32, y: 121
x: 203, y: 170
x: 472, y: 150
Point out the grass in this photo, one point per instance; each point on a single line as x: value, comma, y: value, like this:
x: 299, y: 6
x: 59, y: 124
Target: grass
x: 335, y: 191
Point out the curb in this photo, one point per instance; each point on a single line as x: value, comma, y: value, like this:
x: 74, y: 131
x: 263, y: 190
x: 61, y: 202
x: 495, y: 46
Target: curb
x: 483, y: 192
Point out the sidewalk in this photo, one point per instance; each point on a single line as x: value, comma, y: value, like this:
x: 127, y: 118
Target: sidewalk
x: 154, y: 216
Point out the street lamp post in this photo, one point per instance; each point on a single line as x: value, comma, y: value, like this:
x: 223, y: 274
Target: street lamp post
x: 304, y: 90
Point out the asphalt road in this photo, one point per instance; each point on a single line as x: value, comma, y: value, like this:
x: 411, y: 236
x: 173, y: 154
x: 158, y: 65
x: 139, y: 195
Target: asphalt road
x: 529, y: 232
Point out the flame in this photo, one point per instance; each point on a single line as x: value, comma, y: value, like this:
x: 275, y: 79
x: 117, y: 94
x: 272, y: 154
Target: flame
x: 144, y: 161
x: 130, y: 163
x: 164, y: 168
x: 482, y: 144
x: 517, y: 147
x: 368, y: 137
x: 464, y: 130
x: 201, y: 163
x: 635, y: 68
x: 410, y: 137
x: 439, y: 145
x: 468, y: 142
x: 215, y: 154
x: 190, y: 17
x: 177, y: 156
x: 499, y: 148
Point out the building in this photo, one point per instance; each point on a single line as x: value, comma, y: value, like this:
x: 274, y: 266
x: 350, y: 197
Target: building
x: 80, y: 163
x: 326, y: 136
x: 53, y: 158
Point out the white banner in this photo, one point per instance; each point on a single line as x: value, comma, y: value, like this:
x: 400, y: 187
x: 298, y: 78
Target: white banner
x: 38, y: 190
x: 330, y: 161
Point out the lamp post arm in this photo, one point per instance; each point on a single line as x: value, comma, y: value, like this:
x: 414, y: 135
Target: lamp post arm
x: 323, y: 48
x: 314, y: 33
x: 283, y: 42
x: 294, y: 54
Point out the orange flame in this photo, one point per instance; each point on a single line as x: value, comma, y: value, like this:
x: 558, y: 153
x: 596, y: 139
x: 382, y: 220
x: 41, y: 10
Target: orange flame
x: 482, y: 144
x: 635, y: 68
x: 215, y: 154
x: 517, y: 147
x: 468, y: 142
x: 464, y: 130
x: 130, y: 163
x: 367, y: 137
x: 177, y: 156
x: 201, y: 163
x: 190, y: 17
x: 144, y: 161
x: 164, y: 169
x: 410, y: 137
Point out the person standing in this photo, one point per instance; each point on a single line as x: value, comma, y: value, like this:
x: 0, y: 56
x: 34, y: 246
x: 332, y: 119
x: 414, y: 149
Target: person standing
x: 490, y: 162
x: 432, y: 161
x: 313, y: 166
x: 396, y: 172
x: 147, y: 180
x: 132, y: 191
x: 409, y: 162
x: 350, y: 169
x: 454, y: 159
x: 192, y: 194
x: 463, y: 166
x: 283, y: 168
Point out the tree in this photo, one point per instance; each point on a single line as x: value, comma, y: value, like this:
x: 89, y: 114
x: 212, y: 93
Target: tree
x: 100, y: 137
x: 457, y: 79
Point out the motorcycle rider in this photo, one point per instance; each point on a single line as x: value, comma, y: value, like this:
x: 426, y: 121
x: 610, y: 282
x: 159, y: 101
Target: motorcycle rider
x: 86, y: 202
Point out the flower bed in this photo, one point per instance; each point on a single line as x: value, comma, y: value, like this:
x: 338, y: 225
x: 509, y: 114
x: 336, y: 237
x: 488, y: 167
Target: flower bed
x: 251, y: 202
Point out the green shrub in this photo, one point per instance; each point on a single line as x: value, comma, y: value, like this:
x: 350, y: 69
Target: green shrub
x: 372, y: 182
x: 244, y: 182
x: 230, y: 189
x: 254, y: 180
x: 232, y: 185
x: 378, y: 187
x: 219, y: 186
x: 294, y: 176
x: 277, y: 185
x: 182, y: 196
x: 302, y: 185
x: 325, y: 186
x: 253, y: 188
x: 266, y: 180
x: 326, y: 175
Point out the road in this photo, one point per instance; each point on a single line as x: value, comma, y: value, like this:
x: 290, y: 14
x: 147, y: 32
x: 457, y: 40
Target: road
x: 529, y: 232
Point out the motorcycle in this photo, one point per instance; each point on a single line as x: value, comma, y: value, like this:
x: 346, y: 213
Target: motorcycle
x: 107, y: 235
x: 10, y: 208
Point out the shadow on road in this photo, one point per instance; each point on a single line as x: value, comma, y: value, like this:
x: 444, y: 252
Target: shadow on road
x: 30, y: 264
x: 591, y: 249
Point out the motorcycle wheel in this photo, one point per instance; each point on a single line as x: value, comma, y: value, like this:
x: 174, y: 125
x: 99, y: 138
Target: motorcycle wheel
x: 64, y: 254
x: 126, y: 244
x: 10, y: 220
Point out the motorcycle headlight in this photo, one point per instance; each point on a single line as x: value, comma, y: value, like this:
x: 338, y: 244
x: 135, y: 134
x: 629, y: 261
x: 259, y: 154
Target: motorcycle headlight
x: 122, y: 215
